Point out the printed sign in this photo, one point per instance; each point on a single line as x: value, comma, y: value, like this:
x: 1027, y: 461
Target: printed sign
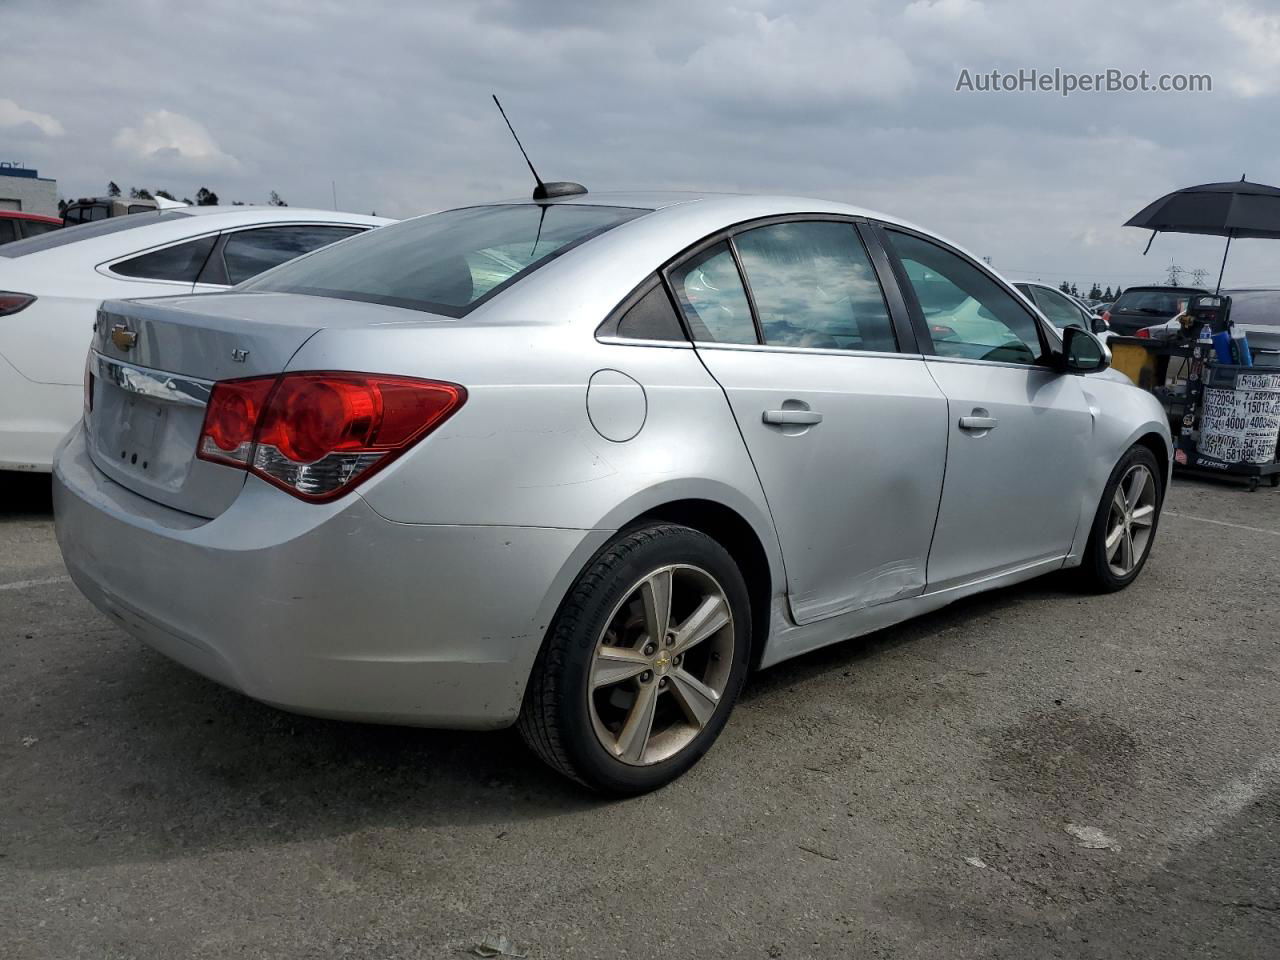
x: 1241, y: 425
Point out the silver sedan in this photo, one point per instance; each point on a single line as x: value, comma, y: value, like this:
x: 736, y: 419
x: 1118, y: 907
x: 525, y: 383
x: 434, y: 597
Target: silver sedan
x: 581, y: 465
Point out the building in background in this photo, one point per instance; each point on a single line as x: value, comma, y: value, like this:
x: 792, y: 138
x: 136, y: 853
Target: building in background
x: 22, y: 188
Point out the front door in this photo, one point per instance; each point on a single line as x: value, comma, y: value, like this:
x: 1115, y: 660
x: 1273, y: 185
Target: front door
x: 1018, y: 431
x: 847, y: 435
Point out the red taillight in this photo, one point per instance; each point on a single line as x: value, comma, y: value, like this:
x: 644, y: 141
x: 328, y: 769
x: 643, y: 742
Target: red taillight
x: 11, y: 303
x: 316, y: 435
x: 1144, y: 333
x: 1106, y: 318
x: 231, y: 418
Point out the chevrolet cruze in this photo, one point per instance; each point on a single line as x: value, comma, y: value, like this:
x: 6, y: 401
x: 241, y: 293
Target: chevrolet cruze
x: 581, y: 464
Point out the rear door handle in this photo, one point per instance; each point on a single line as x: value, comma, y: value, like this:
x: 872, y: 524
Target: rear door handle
x: 805, y: 417
x: 978, y: 423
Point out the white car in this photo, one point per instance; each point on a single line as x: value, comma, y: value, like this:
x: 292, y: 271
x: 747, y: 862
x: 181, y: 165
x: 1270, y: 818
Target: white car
x: 1062, y: 309
x: 51, y: 285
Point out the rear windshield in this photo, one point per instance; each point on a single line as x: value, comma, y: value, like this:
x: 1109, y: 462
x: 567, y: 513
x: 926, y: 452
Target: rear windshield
x: 448, y: 263
x: 85, y: 231
x: 1261, y: 307
x: 1155, y: 303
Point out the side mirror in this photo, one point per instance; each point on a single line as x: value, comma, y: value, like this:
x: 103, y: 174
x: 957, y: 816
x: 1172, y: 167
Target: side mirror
x: 1100, y: 324
x: 1082, y: 352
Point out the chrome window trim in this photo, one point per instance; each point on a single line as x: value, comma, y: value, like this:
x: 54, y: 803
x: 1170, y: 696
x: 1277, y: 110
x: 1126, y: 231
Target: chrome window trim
x: 819, y: 351
x: 1042, y: 367
x: 641, y: 342
x: 153, y: 384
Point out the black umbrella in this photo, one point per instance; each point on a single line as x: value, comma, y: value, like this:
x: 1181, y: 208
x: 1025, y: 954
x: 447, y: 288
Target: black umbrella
x: 1238, y: 209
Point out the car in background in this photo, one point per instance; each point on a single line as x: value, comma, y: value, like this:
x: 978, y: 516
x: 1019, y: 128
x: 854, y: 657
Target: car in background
x: 51, y: 285
x: 581, y: 465
x: 15, y: 225
x: 1140, y: 307
x: 1062, y: 310
x: 101, y: 208
x: 1257, y: 312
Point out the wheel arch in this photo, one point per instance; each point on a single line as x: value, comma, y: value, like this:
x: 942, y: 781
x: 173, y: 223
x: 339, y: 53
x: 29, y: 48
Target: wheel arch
x: 1159, y: 448
x: 732, y: 531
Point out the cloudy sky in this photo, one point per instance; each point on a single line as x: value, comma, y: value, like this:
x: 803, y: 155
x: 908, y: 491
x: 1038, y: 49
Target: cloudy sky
x: 848, y: 99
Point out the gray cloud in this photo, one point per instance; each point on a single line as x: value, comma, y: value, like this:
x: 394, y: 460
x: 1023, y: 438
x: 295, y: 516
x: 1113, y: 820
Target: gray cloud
x: 850, y: 100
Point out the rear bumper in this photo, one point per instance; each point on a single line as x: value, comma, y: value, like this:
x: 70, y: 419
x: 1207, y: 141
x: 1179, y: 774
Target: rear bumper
x: 330, y: 609
x: 33, y: 418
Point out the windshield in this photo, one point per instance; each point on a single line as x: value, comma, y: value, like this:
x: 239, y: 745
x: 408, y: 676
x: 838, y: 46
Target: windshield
x: 447, y: 263
x: 85, y: 231
x: 1156, y: 303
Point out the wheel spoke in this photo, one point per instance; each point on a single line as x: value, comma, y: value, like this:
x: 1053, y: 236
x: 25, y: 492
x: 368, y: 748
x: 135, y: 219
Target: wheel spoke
x: 634, y: 736
x: 1119, y: 501
x: 1127, y: 552
x: 656, y: 594
x: 710, y: 616
x: 1144, y: 516
x: 1136, y: 485
x: 696, y: 699
x: 1113, y: 541
x: 615, y: 664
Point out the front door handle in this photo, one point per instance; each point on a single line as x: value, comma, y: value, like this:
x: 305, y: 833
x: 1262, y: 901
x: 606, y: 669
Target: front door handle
x: 978, y: 423
x: 802, y: 417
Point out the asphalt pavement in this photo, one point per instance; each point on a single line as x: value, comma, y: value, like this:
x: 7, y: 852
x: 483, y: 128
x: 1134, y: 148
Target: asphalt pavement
x: 1034, y: 773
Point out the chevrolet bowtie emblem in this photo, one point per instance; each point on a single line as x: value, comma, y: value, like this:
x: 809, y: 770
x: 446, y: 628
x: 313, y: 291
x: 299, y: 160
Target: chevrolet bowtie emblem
x: 123, y: 337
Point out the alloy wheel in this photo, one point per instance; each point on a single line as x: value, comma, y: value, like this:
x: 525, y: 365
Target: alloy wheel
x: 661, y: 665
x: 1130, y: 520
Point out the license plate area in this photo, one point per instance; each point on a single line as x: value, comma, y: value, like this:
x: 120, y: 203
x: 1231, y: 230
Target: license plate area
x: 139, y: 424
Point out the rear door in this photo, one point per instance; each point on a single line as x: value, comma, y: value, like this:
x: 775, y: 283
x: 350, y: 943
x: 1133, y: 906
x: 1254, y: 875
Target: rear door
x: 1019, y: 433
x: 845, y: 427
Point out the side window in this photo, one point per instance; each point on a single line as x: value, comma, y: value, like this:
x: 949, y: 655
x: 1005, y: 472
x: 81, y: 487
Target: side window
x: 1061, y: 312
x: 250, y: 252
x: 969, y: 314
x: 140, y: 208
x: 814, y: 286
x: 652, y: 317
x: 33, y: 228
x: 180, y: 263
x: 710, y: 293
x: 7, y: 228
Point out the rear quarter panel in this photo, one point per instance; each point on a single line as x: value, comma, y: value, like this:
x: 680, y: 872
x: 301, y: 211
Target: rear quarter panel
x: 523, y: 451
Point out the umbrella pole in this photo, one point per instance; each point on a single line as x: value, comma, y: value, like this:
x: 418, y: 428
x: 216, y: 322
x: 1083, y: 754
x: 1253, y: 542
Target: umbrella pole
x: 1224, y: 263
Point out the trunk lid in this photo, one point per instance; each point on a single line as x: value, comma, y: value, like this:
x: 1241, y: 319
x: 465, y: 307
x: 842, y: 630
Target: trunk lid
x: 153, y: 364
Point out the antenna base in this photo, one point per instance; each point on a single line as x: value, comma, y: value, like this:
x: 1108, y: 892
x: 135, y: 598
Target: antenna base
x: 559, y: 188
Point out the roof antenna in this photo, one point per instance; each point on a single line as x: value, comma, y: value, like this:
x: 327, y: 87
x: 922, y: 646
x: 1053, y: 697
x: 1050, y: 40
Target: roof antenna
x: 543, y: 191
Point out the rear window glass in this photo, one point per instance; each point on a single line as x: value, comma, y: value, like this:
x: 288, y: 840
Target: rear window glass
x: 447, y: 263
x: 1260, y: 307
x: 85, y: 231
x: 1155, y: 303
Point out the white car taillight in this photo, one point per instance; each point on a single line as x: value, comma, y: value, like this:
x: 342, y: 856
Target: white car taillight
x: 11, y: 303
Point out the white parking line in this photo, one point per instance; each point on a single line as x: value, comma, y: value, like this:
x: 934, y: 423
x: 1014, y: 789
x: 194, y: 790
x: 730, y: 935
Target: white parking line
x: 23, y: 584
x: 1228, y: 802
x: 1221, y: 523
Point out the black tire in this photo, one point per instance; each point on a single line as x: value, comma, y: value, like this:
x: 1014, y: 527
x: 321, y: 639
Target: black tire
x: 1095, y: 572
x: 556, y: 718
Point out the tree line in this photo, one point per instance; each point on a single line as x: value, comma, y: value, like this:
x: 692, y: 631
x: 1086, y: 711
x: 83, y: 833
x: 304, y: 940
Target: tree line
x: 204, y: 197
x: 1095, y: 292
